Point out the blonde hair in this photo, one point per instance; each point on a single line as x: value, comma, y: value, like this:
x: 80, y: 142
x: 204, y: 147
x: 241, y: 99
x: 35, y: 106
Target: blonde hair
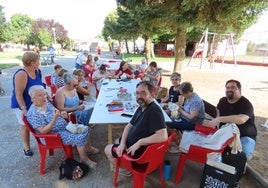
x: 29, y: 57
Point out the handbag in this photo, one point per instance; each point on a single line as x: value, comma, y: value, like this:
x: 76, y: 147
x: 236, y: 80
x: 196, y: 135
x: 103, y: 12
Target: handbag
x: 76, y: 128
x: 72, y: 169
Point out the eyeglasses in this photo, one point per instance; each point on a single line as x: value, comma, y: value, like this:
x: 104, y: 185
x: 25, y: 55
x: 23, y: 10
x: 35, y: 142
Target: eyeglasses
x: 231, y: 87
x: 142, y: 93
x: 175, y: 79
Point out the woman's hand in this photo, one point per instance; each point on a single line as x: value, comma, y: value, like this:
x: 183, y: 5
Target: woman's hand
x: 81, y: 107
x: 56, y: 114
x: 64, y: 114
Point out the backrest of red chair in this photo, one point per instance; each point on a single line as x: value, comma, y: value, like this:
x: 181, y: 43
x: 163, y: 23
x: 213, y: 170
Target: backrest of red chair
x: 48, y: 80
x: 160, y: 81
x: 30, y: 129
x: 51, y: 140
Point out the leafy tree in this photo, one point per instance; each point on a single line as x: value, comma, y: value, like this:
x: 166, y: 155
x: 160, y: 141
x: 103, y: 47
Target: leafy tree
x: 40, y: 26
x: 183, y: 16
x: 19, y: 28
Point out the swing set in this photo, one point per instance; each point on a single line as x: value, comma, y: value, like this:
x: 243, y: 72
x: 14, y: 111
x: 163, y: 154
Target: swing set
x: 202, y: 48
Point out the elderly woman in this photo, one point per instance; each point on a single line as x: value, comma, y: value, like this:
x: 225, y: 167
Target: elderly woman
x: 124, y: 71
x: 45, y: 118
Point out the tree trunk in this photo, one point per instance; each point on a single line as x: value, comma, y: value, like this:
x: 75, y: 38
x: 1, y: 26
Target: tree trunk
x: 147, y: 48
x: 127, y: 46
x: 180, y: 45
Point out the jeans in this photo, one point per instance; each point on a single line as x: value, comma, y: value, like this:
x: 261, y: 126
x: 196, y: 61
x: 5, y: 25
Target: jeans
x: 77, y: 66
x: 181, y: 124
x: 248, y: 146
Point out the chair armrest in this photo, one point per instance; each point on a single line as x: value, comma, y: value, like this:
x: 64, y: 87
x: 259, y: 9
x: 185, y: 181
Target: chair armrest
x: 205, y: 129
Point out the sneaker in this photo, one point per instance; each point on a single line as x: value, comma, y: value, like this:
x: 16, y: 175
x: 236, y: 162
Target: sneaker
x: 93, y: 150
x: 28, y: 153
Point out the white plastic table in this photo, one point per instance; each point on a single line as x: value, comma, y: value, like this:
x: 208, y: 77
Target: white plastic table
x: 108, y: 93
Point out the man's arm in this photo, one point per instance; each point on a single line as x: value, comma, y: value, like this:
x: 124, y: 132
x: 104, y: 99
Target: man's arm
x: 122, y: 145
x: 159, y: 136
x: 237, y: 119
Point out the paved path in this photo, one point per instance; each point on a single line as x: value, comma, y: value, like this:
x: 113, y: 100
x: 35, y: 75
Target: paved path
x: 21, y: 172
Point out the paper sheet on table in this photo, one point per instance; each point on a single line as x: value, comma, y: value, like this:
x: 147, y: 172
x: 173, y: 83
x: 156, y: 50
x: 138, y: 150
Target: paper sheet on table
x: 213, y: 141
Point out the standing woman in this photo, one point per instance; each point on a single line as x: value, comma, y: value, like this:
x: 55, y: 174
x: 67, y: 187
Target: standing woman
x: 23, y: 79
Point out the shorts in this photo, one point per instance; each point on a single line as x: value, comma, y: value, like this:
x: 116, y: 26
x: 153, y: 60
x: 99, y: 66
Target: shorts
x: 19, y: 115
x: 248, y: 146
x: 137, y: 154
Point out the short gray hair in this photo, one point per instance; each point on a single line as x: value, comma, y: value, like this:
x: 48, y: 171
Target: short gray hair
x: 33, y: 89
x: 175, y: 74
x: 68, y: 77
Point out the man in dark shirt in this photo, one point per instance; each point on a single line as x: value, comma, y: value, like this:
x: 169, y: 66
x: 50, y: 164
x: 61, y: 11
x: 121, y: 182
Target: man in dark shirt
x: 235, y: 108
x: 146, y: 127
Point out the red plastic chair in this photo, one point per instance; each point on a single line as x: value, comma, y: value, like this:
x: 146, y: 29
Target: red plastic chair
x: 150, y: 160
x: 52, y: 87
x: 51, y: 141
x: 197, y: 153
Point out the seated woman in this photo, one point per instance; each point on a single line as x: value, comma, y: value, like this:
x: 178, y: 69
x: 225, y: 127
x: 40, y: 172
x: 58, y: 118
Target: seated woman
x: 45, y: 118
x: 67, y: 99
x: 55, y: 74
x: 83, y: 88
x: 124, y: 71
x: 152, y: 75
x: 99, y: 75
x: 173, y: 95
x: 59, y: 81
x: 192, y: 113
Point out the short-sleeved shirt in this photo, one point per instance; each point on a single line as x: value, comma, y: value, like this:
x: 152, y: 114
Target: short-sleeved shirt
x: 127, y: 71
x: 173, y: 96
x: 242, y: 106
x: 144, y: 124
x: 195, y: 103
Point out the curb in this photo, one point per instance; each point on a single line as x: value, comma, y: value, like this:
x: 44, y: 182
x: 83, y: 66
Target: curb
x: 257, y: 176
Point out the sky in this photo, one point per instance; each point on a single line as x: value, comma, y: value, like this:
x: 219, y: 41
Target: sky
x: 81, y: 18
x: 84, y: 18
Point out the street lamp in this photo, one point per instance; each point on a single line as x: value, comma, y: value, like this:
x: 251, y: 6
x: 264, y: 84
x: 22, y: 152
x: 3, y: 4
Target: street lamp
x: 54, y: 35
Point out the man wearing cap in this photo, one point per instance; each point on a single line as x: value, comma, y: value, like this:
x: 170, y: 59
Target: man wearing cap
x: 81, y: 59
x: 99, y: 75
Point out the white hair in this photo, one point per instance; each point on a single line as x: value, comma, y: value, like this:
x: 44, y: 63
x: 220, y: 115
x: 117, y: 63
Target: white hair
x: 35, y: 88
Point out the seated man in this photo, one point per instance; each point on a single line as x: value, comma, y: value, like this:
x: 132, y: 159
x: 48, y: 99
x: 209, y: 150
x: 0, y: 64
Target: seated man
x: 146, y: 127
x: 235, y: 108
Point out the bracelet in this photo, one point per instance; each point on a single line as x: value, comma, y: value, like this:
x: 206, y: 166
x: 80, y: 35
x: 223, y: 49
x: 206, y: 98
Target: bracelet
x: 23, y: 107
